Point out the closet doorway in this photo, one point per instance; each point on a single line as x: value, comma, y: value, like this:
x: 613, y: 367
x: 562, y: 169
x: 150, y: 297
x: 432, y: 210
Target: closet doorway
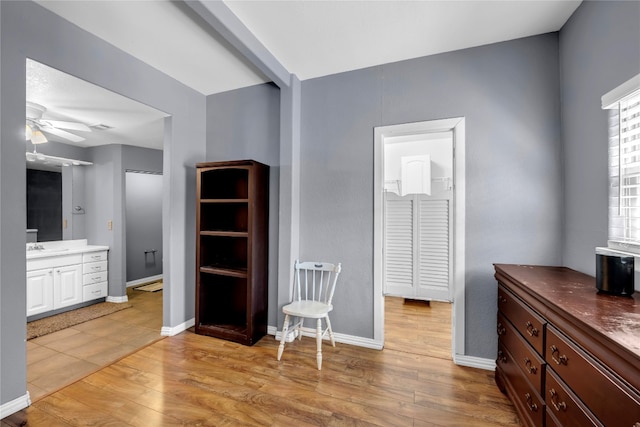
x: 419, y: 218
x: 143, y: 226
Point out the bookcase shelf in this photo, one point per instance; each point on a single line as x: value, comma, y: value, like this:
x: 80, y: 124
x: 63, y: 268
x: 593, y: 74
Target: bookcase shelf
x: 232, y: 250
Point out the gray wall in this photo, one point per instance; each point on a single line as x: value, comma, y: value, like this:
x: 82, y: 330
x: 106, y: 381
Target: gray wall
x: 29, y: 31
x: 599, y: 50
x: 509, y: 95
x: 245, y: 124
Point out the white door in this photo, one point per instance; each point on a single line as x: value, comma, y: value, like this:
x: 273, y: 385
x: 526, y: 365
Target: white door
x: 39, y: 291
x: 418, y: 224
x: 67, y: 285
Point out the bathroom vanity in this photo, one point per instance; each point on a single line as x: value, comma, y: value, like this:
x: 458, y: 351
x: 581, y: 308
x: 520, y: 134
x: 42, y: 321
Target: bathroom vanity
x: 64, y: 274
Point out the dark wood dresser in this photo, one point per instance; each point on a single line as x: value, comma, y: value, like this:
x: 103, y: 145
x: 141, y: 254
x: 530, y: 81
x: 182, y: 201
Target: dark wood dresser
x: 567, y: 356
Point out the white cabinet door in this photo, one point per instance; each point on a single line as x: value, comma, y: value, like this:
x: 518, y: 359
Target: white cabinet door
x: 39, y: 291
x: 67, y: 285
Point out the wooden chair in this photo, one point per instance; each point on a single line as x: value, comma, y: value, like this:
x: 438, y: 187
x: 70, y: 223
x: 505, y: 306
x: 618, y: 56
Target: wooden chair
x: 314, y: 284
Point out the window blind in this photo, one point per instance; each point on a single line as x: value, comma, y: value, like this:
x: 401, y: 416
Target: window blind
x: 624, y: 166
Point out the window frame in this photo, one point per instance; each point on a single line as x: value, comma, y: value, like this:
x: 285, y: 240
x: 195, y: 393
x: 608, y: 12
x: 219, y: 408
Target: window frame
x: 623, y: 103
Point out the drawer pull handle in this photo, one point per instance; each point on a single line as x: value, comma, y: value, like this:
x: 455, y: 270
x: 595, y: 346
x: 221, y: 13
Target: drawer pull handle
x: 502, y: 357
x: 530, y: 366
x: 558, y: 406
x: 532, y: 406
x: 557, y: 357
x: 501, y: 329
x: 531, y: 330
x: 501, y: 299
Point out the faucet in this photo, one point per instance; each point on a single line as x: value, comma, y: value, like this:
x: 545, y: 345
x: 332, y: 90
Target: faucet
x: 35, y: 247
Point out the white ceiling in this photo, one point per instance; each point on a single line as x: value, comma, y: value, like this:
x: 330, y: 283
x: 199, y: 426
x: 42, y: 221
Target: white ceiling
x: 309, y: 38
x: 68, y: 98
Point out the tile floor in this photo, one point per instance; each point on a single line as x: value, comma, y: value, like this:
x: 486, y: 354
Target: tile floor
x: 61, y: 358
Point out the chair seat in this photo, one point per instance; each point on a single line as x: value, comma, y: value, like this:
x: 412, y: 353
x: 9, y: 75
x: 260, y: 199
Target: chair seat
x: 307, y: 308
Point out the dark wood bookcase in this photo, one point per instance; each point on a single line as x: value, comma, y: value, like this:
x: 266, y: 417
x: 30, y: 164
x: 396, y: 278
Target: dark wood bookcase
x: 232, y: 250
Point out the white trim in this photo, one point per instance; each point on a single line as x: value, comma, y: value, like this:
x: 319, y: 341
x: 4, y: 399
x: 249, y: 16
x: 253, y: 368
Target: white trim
x: 121, y: 299
x: 15, y: 405
x: 144, y: 280
x: 474, y: 362
x: 169, y: 331
x: 457, y: 125
x: 613, y: 97
x: 338, y: 337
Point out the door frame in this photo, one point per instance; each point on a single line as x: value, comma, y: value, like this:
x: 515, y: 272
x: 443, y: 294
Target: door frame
x: 457, y: 127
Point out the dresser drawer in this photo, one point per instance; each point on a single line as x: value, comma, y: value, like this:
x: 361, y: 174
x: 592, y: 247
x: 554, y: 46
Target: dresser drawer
x: 89, y: 279
x: 531, y: 364
x: 94, y: 267
x: 91, y: 292
x: 565, y: 406
x: 94, y: 256
x: 611, y: 401
x: 528, y: 402
x: 528, y: 323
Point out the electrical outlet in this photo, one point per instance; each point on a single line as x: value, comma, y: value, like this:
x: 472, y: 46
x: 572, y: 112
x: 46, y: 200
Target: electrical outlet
x: 64, y: 224
x: 110, y: 225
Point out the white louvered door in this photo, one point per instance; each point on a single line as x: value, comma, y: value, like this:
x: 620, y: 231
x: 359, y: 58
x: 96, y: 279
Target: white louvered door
x: 434, y: 249
x: 399, y: 247
x: 418, y: 246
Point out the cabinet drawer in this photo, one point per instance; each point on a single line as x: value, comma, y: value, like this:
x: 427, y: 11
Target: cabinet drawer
x: 565, y: 406
x: 528, y: 323
x: 94, y: 256
x: 89, y: 279
x: 611, y: 401
x: 550, y: 420
x: 531, y: 364
x: 527, y: 401
x: 97, y: 290
x: 94, y: 267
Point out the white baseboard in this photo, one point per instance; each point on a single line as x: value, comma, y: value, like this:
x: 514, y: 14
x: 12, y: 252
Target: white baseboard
x: 474, y: 362
x: 458, y: 359
x: 144, y: 280
x: 169, y: 331
x: 15, y: 405
x: 121, y: 299
x: 341, y: 338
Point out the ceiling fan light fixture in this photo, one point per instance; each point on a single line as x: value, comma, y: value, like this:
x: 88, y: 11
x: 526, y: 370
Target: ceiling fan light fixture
x: 28, y: 132
x: 37, y: 137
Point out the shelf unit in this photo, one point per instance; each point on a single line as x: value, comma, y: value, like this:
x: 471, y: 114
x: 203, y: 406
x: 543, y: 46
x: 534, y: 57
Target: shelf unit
x: 232, y: 250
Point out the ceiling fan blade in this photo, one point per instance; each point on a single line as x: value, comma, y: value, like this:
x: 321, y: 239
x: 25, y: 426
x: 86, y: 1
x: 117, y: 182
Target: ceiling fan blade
x: 66, y: 125
x: 62, y: 134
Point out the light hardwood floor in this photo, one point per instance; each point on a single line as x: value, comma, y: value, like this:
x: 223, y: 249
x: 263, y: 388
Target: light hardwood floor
x: 63, y: 357
x: 190, y: 379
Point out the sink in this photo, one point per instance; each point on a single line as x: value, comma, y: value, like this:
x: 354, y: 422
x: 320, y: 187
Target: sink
x: 51, y: 251
x: 46, y: 251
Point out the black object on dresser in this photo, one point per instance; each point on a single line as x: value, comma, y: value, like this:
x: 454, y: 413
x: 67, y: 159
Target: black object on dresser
x: 232, y: 250
x: 567, y: 356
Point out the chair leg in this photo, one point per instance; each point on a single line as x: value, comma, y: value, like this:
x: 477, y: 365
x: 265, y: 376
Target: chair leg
x: 333, y: 343
x: 300, y: 323
x: 319, y: 343
x: 285, y: 331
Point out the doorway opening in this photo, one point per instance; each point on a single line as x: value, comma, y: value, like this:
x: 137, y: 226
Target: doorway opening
x: 116, y: 133
x: 419, y: 207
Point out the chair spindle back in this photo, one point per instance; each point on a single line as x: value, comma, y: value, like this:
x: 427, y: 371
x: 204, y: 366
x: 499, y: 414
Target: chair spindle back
x: 316, y: 281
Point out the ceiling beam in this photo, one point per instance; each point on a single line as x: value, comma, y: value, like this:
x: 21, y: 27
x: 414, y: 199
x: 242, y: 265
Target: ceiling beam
x: 226, y: 23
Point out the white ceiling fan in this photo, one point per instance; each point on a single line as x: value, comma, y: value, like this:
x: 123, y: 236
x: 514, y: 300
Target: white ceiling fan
x: 36, y: 125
